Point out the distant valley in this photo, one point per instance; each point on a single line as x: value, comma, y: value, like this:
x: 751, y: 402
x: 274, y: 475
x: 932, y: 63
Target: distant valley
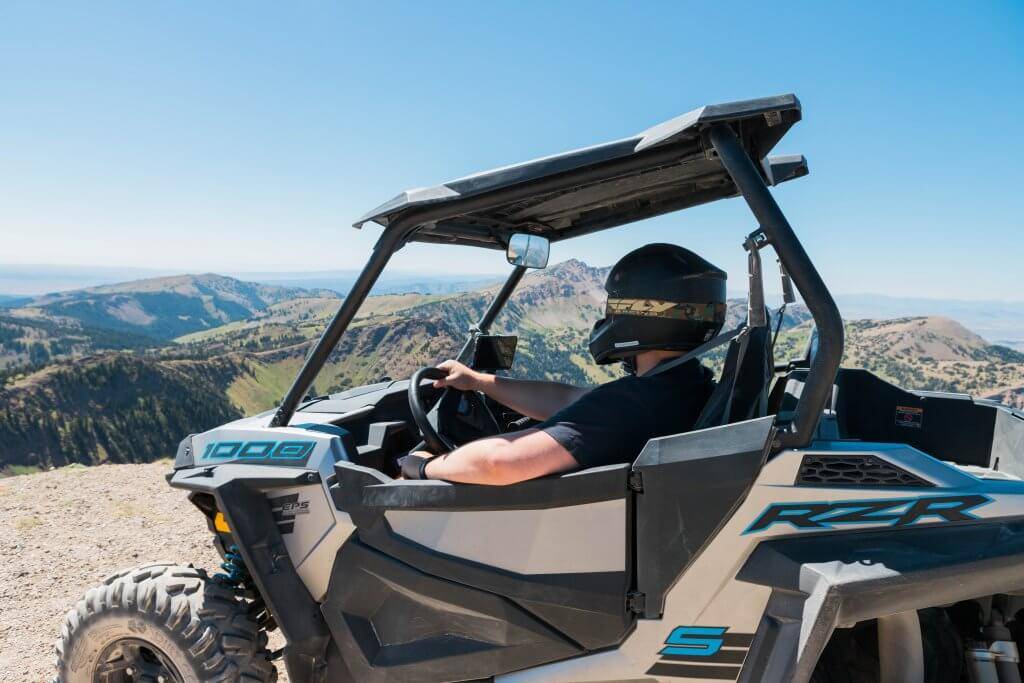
x: 119, y: 373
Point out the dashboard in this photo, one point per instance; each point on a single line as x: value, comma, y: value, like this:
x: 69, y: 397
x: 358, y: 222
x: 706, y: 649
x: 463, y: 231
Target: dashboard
x: 379, y: 419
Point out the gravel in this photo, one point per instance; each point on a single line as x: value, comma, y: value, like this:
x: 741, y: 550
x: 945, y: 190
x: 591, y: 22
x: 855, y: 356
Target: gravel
x: 63, y: 531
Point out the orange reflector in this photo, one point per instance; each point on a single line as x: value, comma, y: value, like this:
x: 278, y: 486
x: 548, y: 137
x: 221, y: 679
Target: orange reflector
x: 221, y: 524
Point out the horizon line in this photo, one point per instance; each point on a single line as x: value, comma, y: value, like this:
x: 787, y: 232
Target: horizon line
x: 449, y: 277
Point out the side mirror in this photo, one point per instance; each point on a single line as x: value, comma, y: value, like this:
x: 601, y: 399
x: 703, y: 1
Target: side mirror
x: 530, y: 251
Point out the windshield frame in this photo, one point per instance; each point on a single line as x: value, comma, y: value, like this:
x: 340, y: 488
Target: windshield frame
x: 385, y: 247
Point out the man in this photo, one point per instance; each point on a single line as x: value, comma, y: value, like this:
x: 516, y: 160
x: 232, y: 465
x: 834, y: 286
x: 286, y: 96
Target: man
x: 663, y: 301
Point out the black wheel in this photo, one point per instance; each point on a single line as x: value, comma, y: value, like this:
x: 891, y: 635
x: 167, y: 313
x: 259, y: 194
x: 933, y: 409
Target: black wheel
x: 162, y: 624
x: 128, y: 659
x: 851, y: 655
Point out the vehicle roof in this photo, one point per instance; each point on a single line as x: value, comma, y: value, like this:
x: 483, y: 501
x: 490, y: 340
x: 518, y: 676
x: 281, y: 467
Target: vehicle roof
x: 666, y: 168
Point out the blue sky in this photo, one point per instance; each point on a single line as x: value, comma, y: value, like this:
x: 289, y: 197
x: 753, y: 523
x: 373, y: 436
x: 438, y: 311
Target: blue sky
x: 248, y: 136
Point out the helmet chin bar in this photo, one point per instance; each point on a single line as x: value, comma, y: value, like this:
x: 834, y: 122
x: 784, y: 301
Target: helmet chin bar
x: 661, y: 297
x: 757, y: 312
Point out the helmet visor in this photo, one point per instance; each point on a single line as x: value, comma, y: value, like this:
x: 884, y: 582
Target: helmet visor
x: 655, y: 308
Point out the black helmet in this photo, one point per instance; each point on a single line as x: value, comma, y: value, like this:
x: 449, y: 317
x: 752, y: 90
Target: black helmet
x: 659, y: 297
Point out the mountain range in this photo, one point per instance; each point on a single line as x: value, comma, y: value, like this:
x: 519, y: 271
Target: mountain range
x: 21, y: 283
x: 1002, y: 322
x: 119, y: 373
x: 131, y: 315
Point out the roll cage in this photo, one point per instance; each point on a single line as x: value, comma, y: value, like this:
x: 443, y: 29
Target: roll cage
x: 710, y: 153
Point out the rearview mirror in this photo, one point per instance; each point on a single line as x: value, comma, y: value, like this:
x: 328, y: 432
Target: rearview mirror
x: 530, y: 251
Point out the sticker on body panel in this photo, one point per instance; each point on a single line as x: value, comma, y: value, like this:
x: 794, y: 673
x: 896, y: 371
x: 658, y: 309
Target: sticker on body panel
x: 708, y: 652
x: 280, y: 452
x: 909, y: 416
x: 285, y: 508
x: 893, y: 512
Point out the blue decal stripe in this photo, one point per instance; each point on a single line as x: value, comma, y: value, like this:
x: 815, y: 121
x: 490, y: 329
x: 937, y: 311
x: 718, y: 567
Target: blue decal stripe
x: 687, y: 640
x: 223, y: 449
x: 258, y: 450
x: 705, y: 652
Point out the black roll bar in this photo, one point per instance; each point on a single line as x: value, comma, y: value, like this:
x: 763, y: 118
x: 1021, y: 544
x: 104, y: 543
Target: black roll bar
x: 817, y: 390
x: 500, y: 298
x: 818, y: 387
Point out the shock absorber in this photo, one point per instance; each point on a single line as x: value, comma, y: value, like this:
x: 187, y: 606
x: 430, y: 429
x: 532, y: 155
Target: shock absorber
x: 235, y: 572
x: 237, y: 577
x: 1001, y: 642
x: 992, y: 655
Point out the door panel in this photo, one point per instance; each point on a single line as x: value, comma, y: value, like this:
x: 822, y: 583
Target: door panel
x: 556, y: 552
x: 391, y: 622
x: 562, y: 540
x: 691, y: 484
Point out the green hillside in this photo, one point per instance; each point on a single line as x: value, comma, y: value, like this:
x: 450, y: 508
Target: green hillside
x: 117, y: 408
x: 32, y: 342
x: 103, y: 394
x: 930, y: 353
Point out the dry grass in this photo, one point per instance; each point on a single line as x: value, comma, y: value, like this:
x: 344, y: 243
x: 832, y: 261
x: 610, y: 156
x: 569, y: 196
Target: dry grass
x: 24, y: 524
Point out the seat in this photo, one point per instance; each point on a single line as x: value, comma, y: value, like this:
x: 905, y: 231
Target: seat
x: 742, y: 392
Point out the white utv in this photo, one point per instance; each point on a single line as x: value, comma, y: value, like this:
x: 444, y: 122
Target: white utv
x: 819, y: 524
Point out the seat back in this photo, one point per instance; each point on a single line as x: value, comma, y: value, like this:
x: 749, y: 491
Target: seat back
x: 742, y: 391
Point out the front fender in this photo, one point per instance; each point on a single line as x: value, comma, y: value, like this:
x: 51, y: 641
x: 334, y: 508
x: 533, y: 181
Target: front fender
x: 822, y: 581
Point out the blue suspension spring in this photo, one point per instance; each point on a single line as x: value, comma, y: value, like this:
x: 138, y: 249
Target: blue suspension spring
x: 235, y: 571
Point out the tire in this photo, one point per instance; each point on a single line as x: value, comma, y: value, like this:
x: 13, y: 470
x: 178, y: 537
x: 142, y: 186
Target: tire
x: 167, y: 620
x: 851, y: 655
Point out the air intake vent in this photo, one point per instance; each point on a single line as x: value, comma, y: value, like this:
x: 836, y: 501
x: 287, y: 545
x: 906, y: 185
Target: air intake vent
x: 854, y: 470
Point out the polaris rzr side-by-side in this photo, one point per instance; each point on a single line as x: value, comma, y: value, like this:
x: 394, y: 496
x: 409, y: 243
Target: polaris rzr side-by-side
x: 819, y: 524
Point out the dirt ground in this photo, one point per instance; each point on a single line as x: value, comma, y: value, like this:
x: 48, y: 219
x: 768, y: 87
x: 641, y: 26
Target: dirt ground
x: 63, y: 531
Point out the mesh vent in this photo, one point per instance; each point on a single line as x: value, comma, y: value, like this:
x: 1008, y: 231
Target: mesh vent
x: 853, y: 470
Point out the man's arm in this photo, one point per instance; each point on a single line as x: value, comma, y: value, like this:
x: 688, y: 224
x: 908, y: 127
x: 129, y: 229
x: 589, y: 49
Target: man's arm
x: 537, y: 399
x: 499, y: 460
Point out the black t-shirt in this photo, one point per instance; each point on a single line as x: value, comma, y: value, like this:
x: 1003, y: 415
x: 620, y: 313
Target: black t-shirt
x: 611, y: 423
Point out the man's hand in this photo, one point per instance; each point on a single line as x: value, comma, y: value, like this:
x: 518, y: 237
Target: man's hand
x: 459, y: 377
x: 412, y: 466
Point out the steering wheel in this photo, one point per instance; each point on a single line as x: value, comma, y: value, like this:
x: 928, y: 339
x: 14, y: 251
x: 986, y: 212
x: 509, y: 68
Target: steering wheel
x: 435, y: 442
